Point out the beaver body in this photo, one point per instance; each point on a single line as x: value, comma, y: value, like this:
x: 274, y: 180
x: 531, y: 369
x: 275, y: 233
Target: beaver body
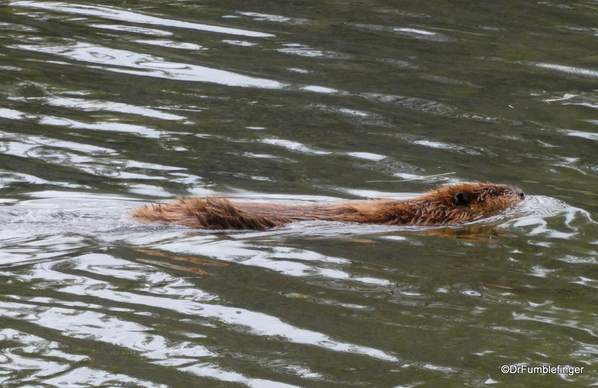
x: 447, y: 205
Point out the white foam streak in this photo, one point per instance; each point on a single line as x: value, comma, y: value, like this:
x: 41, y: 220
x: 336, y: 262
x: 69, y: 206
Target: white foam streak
x: 133, y: 17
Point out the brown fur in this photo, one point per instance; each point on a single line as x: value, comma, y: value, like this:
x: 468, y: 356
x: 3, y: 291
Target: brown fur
x: 446, y: 205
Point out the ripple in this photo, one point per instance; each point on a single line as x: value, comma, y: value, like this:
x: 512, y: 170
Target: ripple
x: 39, y: 358
x: 568, y: 69
x: 148, y: 65
x: 172, y: 44
x: 582, y: 134
x: 90, y: 105
x: 272, y: 18
x: 416, y: 33
x: 19, y: 145
x: 306, y: 51
x: 415, y: 103
x: 87, y: 158
x: 132, y: 29
x: 366, y: 156
x: 242, y: 43
x: 294, y: 146
x: 111, y: 329
x: 133, y: 17
x: 535, y: 210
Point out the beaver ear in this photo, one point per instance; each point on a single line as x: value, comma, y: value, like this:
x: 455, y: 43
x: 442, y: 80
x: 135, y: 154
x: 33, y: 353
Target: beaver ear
x: 462, y: 199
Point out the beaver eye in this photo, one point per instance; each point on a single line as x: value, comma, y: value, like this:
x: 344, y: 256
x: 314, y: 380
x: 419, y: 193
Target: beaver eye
x: 494, y: 194
x: 461, y: 199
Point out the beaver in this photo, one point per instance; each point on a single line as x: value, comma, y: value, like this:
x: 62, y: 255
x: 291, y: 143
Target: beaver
x: 446, y: 205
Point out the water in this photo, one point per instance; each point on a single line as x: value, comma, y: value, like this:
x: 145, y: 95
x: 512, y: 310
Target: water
x: 107, y: 106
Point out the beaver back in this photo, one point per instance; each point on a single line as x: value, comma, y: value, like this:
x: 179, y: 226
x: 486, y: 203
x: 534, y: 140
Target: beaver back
x: 446, y: 205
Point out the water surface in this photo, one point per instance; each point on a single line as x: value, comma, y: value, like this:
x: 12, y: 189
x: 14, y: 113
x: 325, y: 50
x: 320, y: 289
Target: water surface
x: 106, y: 106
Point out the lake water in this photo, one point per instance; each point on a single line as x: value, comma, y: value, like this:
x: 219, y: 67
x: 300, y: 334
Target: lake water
x: 106, y: 106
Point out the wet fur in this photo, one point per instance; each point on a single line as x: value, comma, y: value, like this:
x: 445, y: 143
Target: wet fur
x: 446, y: 205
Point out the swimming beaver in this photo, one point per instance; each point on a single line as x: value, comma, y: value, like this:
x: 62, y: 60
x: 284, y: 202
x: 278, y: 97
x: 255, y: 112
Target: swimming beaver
x: 446, y: 205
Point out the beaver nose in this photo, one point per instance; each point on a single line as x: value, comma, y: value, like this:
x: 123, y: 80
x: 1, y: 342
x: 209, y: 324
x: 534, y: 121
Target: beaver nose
x: 520, y: 194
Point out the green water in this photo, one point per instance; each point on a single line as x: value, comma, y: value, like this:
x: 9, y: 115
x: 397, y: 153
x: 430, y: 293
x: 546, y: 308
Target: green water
x: 106, y: 106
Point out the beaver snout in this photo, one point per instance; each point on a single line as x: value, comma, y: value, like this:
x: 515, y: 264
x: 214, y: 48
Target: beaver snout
x: 516, y: 192
x: 519, y: 193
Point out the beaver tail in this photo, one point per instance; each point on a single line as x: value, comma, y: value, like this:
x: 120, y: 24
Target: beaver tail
x: 209, y: 213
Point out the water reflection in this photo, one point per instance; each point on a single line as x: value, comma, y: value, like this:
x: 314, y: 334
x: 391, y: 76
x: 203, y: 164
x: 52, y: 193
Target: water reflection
x: 92, y: 105
x: 104, y: 109
x: 91, y: 322
x: 133, y: 17
x: 39, y: 358
x: 149, y: 65
x: 568, y: 69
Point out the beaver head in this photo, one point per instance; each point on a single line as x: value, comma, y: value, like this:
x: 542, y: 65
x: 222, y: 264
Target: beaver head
x: 465, y: 202
x: 485, y: 196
